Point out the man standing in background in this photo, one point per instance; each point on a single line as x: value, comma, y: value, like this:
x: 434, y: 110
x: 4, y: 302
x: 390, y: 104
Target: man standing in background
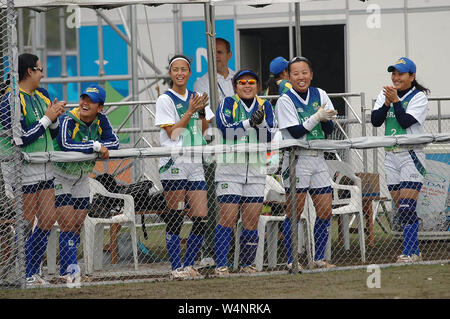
x: 225, y: 88
x: 224, y: 73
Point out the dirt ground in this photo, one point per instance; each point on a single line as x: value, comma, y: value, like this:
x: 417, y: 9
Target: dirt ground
x: 401, y: 282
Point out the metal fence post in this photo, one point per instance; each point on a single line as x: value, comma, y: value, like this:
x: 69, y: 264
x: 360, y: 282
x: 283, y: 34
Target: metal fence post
x: 363, y: 127
x: 14, y: 102
x: 293, y: 209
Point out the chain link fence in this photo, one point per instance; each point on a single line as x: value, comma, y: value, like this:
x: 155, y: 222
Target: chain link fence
x: 226, y: 209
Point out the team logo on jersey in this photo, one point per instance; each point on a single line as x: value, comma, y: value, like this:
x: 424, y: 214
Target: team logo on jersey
x: 224, y: 185
x: 405, y: 104
x: 315, y: 105
x: 179, y: 106
x: 174, y: 171
x: 227, y: 112
x: 58, y: 187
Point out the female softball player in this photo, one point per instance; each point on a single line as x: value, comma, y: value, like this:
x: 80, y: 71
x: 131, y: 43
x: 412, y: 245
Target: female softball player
x: 39, y: 126
x: 402, y: 108
x: 241, y: 177
x: 278, y: 82
x: 305, y: 112
x: 183, y: 119
x: 83, y: 129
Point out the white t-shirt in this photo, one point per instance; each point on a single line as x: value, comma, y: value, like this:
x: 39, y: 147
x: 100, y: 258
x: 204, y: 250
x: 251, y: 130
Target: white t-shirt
x: 225, y: 85
x: 166, y: 114
x: 287, y: 114
x: 417, y: 107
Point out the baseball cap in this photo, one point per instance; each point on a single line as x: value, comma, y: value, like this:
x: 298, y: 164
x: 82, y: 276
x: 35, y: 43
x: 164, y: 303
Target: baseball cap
x: 96, y: 93
x: 403, y: 65
x: 245, y: 72
x: 278, y: 64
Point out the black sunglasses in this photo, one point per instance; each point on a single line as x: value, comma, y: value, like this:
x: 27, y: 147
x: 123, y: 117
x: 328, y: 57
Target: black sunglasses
x: 40, y: 69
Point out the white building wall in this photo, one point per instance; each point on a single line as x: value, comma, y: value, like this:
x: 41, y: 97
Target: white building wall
x: 370, y: 48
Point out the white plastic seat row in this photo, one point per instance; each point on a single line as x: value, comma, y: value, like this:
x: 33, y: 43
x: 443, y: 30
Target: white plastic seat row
x: 93, y: 232
x: 343, y: 208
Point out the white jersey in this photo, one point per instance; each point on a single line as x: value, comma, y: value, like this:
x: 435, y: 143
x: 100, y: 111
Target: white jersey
x: 417, y: 107
x: 225, y: 85
x: 287, y: 113
x: 166, y: 114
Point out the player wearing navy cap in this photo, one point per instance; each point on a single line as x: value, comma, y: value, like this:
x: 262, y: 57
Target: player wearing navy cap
x: 402, y: 107
x: 305, y: 112
x: 278, y: 82
x: 83, y: 129
x: 183, y: 117
x: 242, y: 118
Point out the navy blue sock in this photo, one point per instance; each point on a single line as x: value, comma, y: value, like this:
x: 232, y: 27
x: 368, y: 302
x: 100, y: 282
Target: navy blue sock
x: 408, y: 217
x: 411, y: 239
x: 287, y: 239
x: 193, y: 245
x: 222, y: 241
x: 173, y: 247
x: 35, y: 246
x: 248, y: 246
x: 321, y: 233
x: 68, y: 246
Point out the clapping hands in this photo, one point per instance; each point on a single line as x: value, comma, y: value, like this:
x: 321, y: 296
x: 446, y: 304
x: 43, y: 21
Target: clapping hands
x: 324, y: 115
x: 257, y: 118
x: 198, y: 102
x: 390, y: 94
x: 55, y: 110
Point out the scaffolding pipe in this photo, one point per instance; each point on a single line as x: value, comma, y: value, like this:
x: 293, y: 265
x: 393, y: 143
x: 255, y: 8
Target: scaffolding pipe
x: 127, y: 40
x: 62, y: 39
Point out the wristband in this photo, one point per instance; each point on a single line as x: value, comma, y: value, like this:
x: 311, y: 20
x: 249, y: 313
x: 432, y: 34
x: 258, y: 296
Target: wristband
x: 97, y: 146
x: 45, y: 121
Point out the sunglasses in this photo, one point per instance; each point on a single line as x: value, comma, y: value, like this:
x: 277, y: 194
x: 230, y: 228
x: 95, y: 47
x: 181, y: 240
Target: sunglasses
x: 244, y: 82
x: 38, y: 69
x: 299, y: 59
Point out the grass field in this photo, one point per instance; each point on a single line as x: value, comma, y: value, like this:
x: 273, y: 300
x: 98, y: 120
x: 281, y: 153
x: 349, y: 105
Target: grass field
x: 396, y: 282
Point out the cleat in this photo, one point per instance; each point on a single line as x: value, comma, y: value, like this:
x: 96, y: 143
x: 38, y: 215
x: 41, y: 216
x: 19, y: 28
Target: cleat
x: 402, y: 259
x: 222, y: 271
x: 36, y: 279
x: 179, y: 273
x: 193, y: 273
x: 322, y: 264
x: 250, y: 269
x: 289, y: 266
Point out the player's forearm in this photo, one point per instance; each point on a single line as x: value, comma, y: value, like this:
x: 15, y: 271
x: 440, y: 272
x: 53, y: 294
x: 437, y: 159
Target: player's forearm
x: 174, y: 131
x: 297, y: 131
x: 378, y: 116
x: 327, y: 127
x: 404, y: 119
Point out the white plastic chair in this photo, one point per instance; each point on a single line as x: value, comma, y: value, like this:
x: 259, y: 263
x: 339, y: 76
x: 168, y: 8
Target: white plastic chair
x: 94, y: 227
x: 346, y: 206
x: 274, y: 191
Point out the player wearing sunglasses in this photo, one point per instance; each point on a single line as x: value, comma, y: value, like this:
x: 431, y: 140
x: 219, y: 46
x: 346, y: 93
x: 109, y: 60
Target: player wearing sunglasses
x: 305, y: 112
x: 242, y: 118
x: 39, y: 126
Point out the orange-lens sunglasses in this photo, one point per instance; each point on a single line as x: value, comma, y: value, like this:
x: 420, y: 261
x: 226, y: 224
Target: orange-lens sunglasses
x: 250, y: 81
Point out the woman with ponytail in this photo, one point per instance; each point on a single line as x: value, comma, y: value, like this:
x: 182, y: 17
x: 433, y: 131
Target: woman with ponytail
x: 402, y: 107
